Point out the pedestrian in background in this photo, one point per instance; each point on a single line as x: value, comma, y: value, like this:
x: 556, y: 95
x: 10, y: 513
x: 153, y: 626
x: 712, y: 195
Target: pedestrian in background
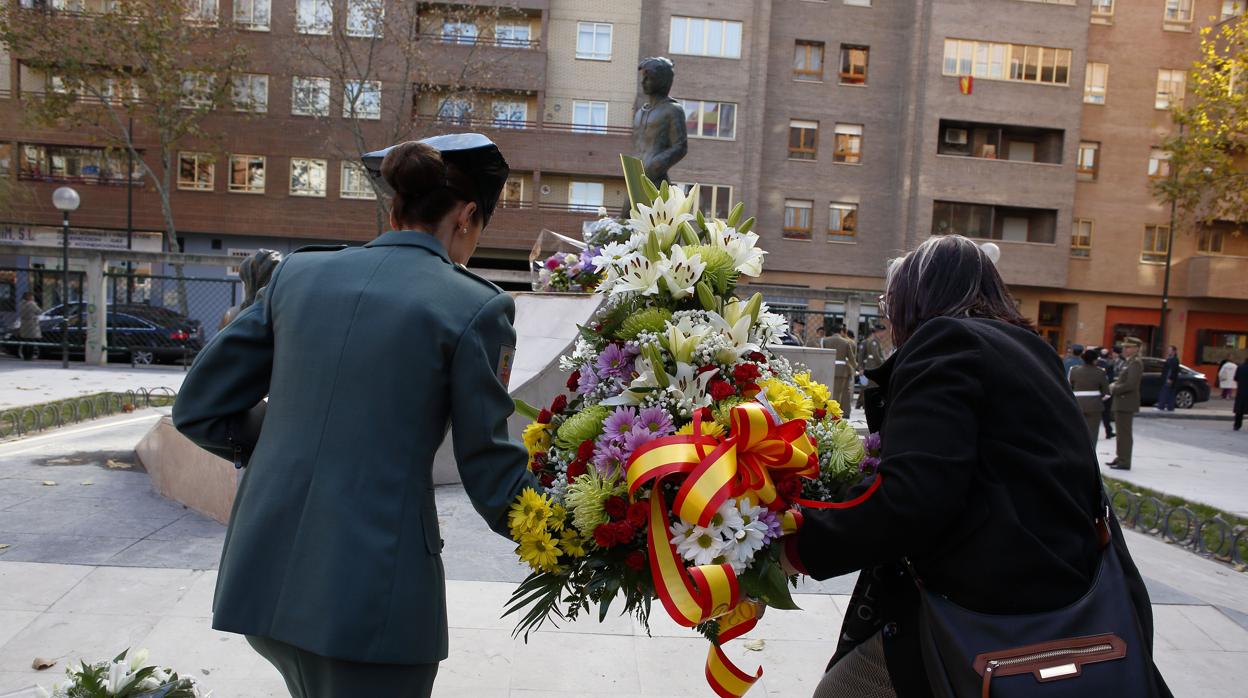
x: 1126, y: 392
x: 1241, y: 399
x: 846, y: 367
x: 872, y: 354
x: 797, y: 334
x: 1091, y: 390
x: 28, y: 315
x: 1226, y: 377
x: 1072, y: 358
x: 817, y: 340
x: 1169, y: 377
x: 1107, y: 364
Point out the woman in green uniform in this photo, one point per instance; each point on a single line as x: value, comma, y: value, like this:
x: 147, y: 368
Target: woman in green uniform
x: 332, y: 565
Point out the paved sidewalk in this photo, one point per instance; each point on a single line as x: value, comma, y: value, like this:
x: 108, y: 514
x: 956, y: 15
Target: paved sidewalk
x: 34, y: 382
x: 1213, y: 408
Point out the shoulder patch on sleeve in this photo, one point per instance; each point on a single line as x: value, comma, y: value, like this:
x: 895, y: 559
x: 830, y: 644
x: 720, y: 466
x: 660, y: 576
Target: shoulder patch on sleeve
x: 320, y: 248
x: 469, y: 273
x: 506, y: 359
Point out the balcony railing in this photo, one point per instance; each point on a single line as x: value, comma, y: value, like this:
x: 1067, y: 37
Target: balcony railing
x: 496, y: 42
x: 475, y: 122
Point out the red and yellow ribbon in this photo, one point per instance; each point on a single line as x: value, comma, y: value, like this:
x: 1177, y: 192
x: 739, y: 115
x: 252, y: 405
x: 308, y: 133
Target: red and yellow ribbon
x: 739, y: 466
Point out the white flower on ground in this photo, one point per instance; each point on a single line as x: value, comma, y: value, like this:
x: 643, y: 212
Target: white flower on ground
x: 118, y: 677
x: 681, y: 272
x: 665, y: 217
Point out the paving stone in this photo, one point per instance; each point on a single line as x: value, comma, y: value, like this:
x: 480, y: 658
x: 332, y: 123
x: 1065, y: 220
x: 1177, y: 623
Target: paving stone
x: 190, y: 525
x: 188, y: 553
x: 69, y: 637
x: 29, y: 586
x: 121, y: 591
x: 69, y: 550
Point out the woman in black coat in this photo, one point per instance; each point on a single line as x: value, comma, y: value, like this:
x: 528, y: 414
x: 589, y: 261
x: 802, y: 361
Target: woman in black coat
x: 989, y: 482
x: 1241, y: 394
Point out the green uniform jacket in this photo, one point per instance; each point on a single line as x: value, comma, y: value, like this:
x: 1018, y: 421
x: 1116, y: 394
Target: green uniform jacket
x: 1126, y: 385
x: 845, y: 351
x: 1089, y: 379
x: 365, y: 355
x: 872, y: 354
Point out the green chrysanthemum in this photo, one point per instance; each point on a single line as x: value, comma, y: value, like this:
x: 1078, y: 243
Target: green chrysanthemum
x: 582, y: 426
x: 648, y: 320
x: 587, y: 497
x: 723, y: 409
x: 847, y: 451
x: 720, y: 268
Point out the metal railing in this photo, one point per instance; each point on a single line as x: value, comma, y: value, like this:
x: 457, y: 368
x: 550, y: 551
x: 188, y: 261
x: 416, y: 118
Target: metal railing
x: 466, y: 40
x: 1212, y: 537
x: 469, y: 121
x: 17, y: 422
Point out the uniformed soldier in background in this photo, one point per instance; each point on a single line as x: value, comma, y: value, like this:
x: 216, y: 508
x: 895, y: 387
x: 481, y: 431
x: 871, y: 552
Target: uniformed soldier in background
x: 873, y: 355
x: 1091, y: 390
x: 846, y: 366
x: 1126, y: 392
x: 1107, y: 364
x: 332, y: 565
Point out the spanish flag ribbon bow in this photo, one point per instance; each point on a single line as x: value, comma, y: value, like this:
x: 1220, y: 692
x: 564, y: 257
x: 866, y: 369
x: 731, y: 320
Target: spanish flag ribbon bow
x: 742, y: 465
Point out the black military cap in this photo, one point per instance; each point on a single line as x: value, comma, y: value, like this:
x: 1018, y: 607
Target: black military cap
x: 473, y: 153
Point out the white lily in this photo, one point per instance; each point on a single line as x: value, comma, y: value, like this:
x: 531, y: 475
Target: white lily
x: 665, y: 217
x: 647, y: 380
x: 734, y: 325
x: 688, y: 384
x: 746, y: 257
x: 118, y: 677
x: 138, y: 660
x: 681, y: 272
x: 683, y: 339
x: 636, y: 273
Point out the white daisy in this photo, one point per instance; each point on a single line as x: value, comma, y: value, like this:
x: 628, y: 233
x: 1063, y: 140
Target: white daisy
x: 702, y: 545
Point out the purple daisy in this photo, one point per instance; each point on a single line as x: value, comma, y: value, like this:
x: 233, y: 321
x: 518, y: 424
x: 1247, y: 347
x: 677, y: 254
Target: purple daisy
x: 620, y: 423
x: 772, y: 521
x: 640, y: 436
x: 616, y: 361
x: 869, y: 465
x: 657, y: 421
x: 610, y: 459
x: 872, y: 442
x: 589, y: 380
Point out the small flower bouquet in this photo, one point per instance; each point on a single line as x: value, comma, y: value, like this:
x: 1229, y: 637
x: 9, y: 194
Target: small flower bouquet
x: 684, y: 448
x: 124, y: 678
x: 575, y: 272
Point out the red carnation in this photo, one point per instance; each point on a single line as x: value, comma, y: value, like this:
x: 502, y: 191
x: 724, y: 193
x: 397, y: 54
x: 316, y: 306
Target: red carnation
x: 616, y: 508
x: 575, y: 469
x: 757, y: 357
x: 745, y: 373
x: 586, y: 450
x: 635, y: 560
x: 790, y: 487
x: 544, y: 417
x: 548, y: 480
x: 820, y: 414
x: 638, y: 513
x: 707, y: 369
x: 721, y: 389
x: 574, y: 380
x: 604, y: 536
x: 560, y: 404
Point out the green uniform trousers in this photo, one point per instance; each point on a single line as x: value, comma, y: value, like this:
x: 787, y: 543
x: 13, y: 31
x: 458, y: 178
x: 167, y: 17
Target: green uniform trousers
x: 1123, y: 422
x: 1093, y: 420
x: 310, y: 675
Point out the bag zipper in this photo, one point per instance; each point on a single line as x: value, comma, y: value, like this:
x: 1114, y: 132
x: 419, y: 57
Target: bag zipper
x: 994, y: 664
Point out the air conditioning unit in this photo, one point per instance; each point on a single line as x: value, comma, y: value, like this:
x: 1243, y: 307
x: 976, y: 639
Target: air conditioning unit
x: 955, y: 136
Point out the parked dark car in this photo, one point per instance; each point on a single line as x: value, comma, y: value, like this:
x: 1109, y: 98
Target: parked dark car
x: 156, y: 314
x: 1192, y: 386
x: 137, y: 337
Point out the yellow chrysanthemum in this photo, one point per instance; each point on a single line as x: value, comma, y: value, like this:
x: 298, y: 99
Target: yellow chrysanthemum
x: 572, y: 543
x: 709, y: 428
x: 528, y: 513
x: 818, y: 392
x: 539, y: 550
x: 789, y: 402
x: 834, y: 409
x: 556, y: 519
x: 537, y: 438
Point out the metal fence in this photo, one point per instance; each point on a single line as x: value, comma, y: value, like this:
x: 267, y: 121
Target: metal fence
x: 23, y: 421
x: 44, y: 339
x: 1211, y: 537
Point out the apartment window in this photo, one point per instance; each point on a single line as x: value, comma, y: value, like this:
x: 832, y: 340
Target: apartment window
x: 848, y: 144
x: 1178, y: 10
x: 797, y: 219
x: 593, y: 41
x: 1158, y: 164
x: 361, y: 99
x: 858, y: 3
x: 1171, y: 85
x: 854, y: 65
x: 83, y: 165
x: 195, y: 171
x: 354, y: 183
x: 459, y: 32
x: 201, y: 11
x: 803, y: 140
x: 705, y: 119
x: 247, y: 174
x: 6, y: 159
x: 511, y: 114
x: 197, y: 89
x: 455, y: 110
x: 1210, y: 241
x: 254, y: 15
x: 1081, y: 238
x: 365, y: 18
x: 717, y: 38
x: 1156, y: 242
x: 513, y: 35
x: 589, y: 117
x: 313, y: 16
x: 1096, y: 83
x: 307, y: 176
x: 1102, y: 8
x: 585, y: 196
x: 1232, y: 8
x: 309, y: 96
x: 513, y: 193
x: 1015, y: 62
x: 1089, y: 160
x: 250, y: 92
x: 715, y: 199
x: 808, y: 60
x: 842, y: 222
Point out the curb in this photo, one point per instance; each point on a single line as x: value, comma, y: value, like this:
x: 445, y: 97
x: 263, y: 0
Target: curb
x: 1151, y: 413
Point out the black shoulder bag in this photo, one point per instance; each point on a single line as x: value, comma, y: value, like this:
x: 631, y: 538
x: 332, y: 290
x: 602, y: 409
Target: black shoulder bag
x: 1093, y: 647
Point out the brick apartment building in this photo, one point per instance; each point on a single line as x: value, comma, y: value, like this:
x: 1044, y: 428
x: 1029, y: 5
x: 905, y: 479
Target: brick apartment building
x: 848, y: 127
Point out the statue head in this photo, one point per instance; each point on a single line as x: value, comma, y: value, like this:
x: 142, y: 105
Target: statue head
x: 255, y: 272
x: 657, y: 74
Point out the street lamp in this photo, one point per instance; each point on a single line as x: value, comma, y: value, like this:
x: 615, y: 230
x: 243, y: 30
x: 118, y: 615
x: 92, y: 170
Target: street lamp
x: 65, y: 199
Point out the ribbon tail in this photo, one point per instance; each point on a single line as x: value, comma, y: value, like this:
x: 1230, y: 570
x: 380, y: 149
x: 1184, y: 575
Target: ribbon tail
x: 725, y: 678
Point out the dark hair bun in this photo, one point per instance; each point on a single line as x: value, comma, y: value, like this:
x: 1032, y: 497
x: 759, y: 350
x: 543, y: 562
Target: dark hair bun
x: 413, y: 169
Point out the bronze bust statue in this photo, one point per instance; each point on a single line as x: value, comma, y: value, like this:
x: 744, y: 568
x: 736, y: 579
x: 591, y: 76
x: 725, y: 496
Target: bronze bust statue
x: 659, y: 136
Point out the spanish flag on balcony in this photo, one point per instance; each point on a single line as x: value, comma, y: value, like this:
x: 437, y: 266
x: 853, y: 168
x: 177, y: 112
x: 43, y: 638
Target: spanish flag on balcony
x: 966, y: 83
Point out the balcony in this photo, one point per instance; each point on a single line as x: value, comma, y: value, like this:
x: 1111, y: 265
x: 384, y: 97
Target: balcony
x: 1000, y: 142
x: 480, y: 62
x: 517, y: 226
x: 546, y: 146
x: 1212, y: 276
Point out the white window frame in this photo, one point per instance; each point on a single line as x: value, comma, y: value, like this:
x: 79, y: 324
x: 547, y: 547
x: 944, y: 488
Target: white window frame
x: 254, y: 96
x: 197, y: 160
x: 247, y: 188
x: 314, y: 17
x: 310, y: 164
x: 503, y: 35
x: 1232, y: 8
x: 505, y: 201
x: 366, y: 18
x: 1168, y: 86
x: 692, y: 36
x: 194, y: 85
x: 1156, y: 157
x: 456, y: 32
x: 989, y: 60
x: 308, y: 104
x: 1093, y: 147
x: 202, y: 12
x: 576, y: 204
x: 503, y: 113
x: 1076, y: 250
x: 1179, y: 11
x: 702, y: 112
x: 365, y: 108
x: 456, y: 110
x: 800, y: 205
x: 847, y: 130
x: 354, y: 172
x: 840, y: 235
x: 249, y: 16
x: 595, y: 29
x: 589, y: 107
x: 1094, y: 93
x: 1102, y: 8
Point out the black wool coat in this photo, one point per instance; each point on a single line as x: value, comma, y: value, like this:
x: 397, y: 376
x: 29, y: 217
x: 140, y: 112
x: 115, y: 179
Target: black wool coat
x: 989, y: 486
x: 1241, y: 393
